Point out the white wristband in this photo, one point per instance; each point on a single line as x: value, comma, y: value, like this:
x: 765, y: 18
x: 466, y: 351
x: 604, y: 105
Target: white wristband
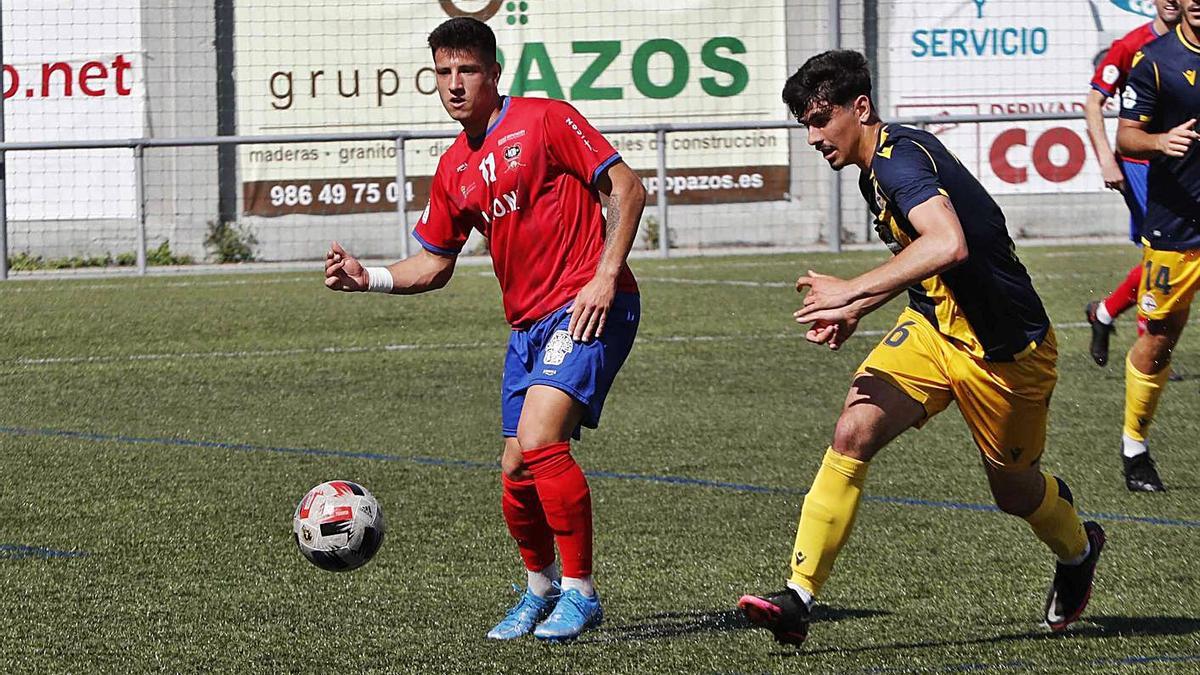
x: 379, y: 280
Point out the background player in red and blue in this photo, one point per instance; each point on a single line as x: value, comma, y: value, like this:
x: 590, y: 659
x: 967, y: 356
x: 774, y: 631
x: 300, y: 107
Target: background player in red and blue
x: 527, y: 173
x: 1159, y: 108
x: 1126, y: 175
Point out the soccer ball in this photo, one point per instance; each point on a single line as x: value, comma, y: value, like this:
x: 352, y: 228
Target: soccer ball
x: 338, y: 526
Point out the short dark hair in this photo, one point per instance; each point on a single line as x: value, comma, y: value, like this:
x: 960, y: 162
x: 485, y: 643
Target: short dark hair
x: 832, y: 78
x: 464, y: 34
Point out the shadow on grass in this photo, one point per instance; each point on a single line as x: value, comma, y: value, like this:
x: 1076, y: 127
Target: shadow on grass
x: 667, y: 625
x: 1088, y: 627
x: 1129, y: 626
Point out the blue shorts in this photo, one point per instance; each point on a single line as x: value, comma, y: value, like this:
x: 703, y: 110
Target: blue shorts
x: 1135, y: 196
x: 546, y: 354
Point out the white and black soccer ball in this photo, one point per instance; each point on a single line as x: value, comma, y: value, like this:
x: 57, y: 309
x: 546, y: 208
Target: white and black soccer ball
x: 338, y: 526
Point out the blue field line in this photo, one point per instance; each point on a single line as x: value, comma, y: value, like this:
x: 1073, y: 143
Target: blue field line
x: 616, y: 475
x: 695, y: 482
x: 18, y: 551
x: 1146, y: 660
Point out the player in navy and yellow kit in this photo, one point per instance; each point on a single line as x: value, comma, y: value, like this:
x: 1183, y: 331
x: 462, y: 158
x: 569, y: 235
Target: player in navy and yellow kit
x: 974, y: 332
x: 1158, y: 114
x: 1123, y: 174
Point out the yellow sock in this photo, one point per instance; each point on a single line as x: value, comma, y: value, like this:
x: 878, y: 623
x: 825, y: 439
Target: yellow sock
x: 1056, y: 523
x: 1142, y: 392
x: 826, y: 519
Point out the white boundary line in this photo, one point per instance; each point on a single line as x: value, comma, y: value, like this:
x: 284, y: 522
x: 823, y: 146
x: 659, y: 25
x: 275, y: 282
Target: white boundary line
x: 35, y: 362
x: 719, y: 282
x: 783, y: 284
x: 47, y: 286
x: 314, y: 280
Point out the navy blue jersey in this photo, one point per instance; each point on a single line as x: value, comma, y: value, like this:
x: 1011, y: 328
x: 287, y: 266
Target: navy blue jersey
x: 1162, y: 93
x: 987, y: 303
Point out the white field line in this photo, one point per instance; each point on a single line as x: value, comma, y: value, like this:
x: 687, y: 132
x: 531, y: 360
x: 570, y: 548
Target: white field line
x: 239, y: 354
x: 824, y: 261
x: 34, y: 362
x: 719, y: 282
x: 42, y: 286
x: 1049, y: 276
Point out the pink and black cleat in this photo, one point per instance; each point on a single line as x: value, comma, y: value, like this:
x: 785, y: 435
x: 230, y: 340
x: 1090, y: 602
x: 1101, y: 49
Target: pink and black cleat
x: 782, y: 613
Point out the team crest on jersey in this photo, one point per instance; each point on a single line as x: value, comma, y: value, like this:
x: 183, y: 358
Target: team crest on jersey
x: 1129, y: 98
x: 557, y: 349
x: 880, y: 202
x: 1149, y: 304
x: 882, y: 225
x: 512, y: 155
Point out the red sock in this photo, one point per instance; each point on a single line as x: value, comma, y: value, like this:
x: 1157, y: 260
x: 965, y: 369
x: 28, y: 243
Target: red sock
x: 527, y: 523
x: 1126, y: 294
x: 1141, y: 325
x: 567, y: 501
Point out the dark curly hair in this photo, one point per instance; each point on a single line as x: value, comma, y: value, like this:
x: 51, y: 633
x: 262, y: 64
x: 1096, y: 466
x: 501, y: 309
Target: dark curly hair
x: 832, y: 78
x: 466, y: 35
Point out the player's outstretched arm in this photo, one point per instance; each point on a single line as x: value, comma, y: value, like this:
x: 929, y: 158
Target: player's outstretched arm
x: 940, y: 246
x: 422, y: 272
x: 1093, y: 112
x: 1134, y: 141
x: 626, y: 199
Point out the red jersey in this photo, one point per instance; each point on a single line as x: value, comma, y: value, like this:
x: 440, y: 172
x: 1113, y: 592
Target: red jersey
x: 1112, y: 72
x: 528, y: 186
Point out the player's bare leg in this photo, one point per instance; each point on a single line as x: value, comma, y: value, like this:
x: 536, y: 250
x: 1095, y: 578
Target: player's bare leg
x: 1146, y: 371
x: 875, y: 412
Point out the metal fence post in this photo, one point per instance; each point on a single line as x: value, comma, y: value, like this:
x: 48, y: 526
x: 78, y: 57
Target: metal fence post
x: 3, y: 168
x: 834, y: 213
x: 664, y: 234
x: 402, y: 196
x: 3, y: 206
x: 140, y: 176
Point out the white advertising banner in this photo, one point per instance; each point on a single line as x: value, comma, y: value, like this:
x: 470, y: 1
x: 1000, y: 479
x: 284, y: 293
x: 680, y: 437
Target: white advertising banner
x: 72, y: 71
x: 358, y: 66
x: 1003, y: 58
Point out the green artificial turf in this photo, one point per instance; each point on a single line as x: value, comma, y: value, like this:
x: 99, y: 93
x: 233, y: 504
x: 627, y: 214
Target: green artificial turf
x: 155, y: 435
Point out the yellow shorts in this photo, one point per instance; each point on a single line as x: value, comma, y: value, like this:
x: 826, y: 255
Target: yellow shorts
x: 1004, y: 404
x: 1169, y: 280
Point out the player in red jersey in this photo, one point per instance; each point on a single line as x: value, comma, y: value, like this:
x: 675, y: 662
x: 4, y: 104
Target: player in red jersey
x: 527, y: 174
x: 1123, y: 174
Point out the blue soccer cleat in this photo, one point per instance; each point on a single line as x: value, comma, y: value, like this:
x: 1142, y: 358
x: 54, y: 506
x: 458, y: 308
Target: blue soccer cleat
x: 524, y: 615
x: 574, y: 613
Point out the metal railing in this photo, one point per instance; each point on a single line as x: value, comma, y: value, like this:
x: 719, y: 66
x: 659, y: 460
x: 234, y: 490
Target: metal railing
x: 401, y: 137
